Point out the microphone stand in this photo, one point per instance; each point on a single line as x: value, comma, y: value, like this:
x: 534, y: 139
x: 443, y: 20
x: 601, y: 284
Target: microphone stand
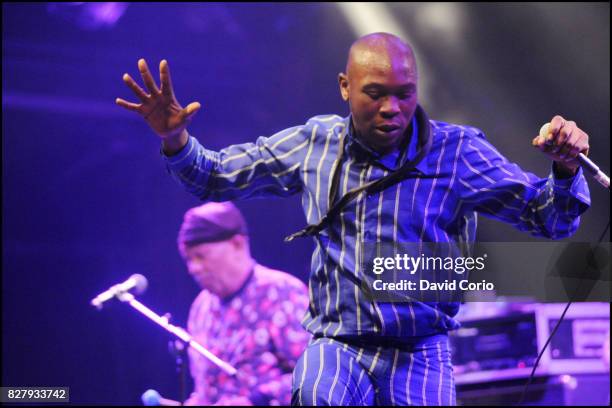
x: 176, y: 331
x: 177, y: 349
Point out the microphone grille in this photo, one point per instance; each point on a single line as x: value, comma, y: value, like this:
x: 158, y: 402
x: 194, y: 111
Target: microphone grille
x: 150, y: 398
x: 141, y: 283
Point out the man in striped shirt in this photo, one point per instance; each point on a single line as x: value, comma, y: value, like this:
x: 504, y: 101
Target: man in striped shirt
x: 385, y: 173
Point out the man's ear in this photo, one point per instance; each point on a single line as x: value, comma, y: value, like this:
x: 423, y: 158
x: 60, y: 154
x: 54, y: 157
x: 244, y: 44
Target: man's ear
x: 240, y: 241
x: 237, y: 241
x: 344, y: 86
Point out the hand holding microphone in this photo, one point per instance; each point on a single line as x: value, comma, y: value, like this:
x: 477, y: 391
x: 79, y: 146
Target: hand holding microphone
x: 562, y: 141
x: 565, y: 143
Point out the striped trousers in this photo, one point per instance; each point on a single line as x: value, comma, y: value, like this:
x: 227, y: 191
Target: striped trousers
x: 340, y: 372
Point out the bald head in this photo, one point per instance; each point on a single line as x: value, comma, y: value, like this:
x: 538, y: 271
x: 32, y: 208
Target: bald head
x: 381, y: 50
x: 380, y: 85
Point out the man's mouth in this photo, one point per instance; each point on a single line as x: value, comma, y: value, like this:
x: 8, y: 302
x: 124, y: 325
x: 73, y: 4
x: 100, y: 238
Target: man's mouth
x: 387, y: 128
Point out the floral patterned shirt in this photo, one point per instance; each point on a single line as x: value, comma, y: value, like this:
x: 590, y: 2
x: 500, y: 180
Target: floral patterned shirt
x: 258, y: 331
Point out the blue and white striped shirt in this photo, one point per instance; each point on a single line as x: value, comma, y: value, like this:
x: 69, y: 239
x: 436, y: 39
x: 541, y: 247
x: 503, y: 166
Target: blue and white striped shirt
x: 462, y: 174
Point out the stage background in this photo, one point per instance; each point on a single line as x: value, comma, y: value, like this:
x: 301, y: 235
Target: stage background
x: 87, y: 200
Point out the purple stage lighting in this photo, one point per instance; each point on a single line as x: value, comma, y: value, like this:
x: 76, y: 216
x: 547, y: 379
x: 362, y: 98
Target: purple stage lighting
x: 89, y: 16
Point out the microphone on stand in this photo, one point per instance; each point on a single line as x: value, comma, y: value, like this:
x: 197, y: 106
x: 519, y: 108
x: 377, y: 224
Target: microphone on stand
x: 137, y: 282
x: 152, y: 398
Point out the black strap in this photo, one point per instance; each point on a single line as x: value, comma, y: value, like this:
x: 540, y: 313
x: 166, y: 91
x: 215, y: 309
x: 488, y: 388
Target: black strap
x: 374, y: 186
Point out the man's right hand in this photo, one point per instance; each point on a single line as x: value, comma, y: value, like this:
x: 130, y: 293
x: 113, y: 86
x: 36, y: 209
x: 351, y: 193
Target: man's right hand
x: 159, y: 108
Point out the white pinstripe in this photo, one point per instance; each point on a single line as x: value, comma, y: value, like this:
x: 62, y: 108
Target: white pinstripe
x: 348, y: 381
x: 259, y: 161
x: 305, y: 170
x: 357, y: 253
x: 301, y: 388
x: 441, y: 372
x: 318, y: 176
x: 248, y: 183
x: 393, y: 377
x: 373, y: 304
x: 316, y: 384
x: 331, y: 390
x: 342, y: 248
x: 408, y: 399
x: 425, y: 377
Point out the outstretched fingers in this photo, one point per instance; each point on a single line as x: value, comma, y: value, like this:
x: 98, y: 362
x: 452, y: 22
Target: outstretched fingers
x: 191, y: 109
x: 128, y: 105
x: 147, y: 77
x: 140, y: 93
x: 166, y: 81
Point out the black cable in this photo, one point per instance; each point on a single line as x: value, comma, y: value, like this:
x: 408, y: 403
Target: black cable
x: 535, y: 365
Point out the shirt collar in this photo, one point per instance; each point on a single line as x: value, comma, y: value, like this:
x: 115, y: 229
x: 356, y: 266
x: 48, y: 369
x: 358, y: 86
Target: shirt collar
x: 226, y: 300
x: 393, y: 160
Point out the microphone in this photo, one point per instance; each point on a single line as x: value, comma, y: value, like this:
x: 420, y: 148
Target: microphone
x: 136, y: 281
x: 587, y: 163
x: 152, y: 398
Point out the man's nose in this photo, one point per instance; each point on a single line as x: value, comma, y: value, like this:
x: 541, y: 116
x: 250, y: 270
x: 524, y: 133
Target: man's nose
x: 390, y: 106
x: 195, y: 268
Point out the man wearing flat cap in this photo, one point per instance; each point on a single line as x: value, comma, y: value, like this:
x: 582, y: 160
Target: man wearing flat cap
x: 246, y: 314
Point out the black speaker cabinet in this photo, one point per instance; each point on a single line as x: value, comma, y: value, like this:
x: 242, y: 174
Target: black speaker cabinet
x: 559, y: 390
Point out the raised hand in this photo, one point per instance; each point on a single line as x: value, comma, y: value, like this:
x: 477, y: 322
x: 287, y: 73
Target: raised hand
x: 159, y: 107
x: 562, y: 140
